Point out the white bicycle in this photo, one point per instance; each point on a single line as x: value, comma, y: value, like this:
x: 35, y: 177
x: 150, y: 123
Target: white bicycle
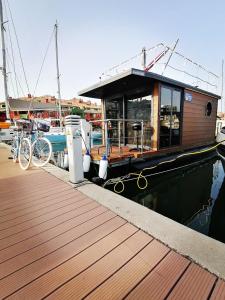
x: 30, y: 145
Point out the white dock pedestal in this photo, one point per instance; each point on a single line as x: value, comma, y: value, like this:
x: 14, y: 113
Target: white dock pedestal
x: 74, y: 146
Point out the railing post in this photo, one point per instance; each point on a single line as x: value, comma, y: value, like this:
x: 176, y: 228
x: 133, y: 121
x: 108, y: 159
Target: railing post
x: 119, y: 136
x: 106, y: 138
x: 142, y: 135
x: 91, y: 137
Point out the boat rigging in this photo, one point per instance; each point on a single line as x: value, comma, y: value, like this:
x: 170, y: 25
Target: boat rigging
x: 3, y: 68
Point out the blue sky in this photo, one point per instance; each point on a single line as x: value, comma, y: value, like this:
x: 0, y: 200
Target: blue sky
x: 95, y: 35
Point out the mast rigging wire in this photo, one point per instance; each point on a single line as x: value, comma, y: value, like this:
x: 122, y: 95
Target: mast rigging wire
x: 43, y: 61
x: 10, y: 77
x: 17, y: 41
x: 8, y: 56
x: 196, y: 77
x: 12, y: 52
x: 186, y: 59
x: 41, y: 68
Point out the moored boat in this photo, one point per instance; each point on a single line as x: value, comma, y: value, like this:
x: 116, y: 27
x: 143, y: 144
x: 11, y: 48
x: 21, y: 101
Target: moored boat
x: 147, y: 116
x: 220, y: 138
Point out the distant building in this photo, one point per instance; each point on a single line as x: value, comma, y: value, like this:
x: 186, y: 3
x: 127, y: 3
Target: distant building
x: 47, y: 107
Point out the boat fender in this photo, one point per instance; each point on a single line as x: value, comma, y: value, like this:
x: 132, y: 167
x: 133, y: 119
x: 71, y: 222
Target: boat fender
x: 102, y: 173
x: 66, y: 160
x: 86, y: 161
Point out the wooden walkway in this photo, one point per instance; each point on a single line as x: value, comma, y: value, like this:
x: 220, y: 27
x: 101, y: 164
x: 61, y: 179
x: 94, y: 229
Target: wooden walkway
x: 57, y: 243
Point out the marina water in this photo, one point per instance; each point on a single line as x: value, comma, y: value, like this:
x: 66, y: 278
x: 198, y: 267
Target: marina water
x: 194, y: 197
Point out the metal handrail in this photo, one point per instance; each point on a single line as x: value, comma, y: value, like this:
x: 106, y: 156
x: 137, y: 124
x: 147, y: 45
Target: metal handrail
x: 106, y: 138
x: 122, y: 120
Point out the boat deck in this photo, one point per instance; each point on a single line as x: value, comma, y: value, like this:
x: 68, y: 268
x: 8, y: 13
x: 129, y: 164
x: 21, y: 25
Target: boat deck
x: 57, y: 243
x: 119, y: 154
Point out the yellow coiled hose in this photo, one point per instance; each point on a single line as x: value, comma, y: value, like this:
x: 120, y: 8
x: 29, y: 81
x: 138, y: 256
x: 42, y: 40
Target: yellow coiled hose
x: 120, y: 181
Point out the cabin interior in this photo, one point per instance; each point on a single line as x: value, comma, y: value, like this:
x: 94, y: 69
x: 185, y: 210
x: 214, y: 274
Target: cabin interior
x: 146, y: 114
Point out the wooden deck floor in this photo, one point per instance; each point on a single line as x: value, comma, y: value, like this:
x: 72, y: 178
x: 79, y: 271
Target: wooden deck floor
x: 117, y: 155
x: 57, y: 243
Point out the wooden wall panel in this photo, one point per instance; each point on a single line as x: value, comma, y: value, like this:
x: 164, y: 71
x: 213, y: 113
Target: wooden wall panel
x: 155, y: 116
x: 198, y: 129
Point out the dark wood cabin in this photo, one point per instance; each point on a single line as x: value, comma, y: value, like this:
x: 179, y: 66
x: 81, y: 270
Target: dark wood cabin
x: 174, y: 116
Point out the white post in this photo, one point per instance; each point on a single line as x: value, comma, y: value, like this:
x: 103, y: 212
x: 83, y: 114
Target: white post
x: 74, y: 146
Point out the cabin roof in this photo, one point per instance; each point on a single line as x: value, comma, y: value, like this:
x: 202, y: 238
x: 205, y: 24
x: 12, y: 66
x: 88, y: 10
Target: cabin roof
x: 133, y: 81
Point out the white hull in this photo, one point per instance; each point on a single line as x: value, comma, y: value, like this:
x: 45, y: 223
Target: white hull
x: 220, y: 137
x: 6, y: 135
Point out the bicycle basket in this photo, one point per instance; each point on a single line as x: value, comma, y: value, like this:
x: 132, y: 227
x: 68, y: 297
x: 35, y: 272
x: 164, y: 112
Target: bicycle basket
x: 43, y: 126
x: 25, y: 125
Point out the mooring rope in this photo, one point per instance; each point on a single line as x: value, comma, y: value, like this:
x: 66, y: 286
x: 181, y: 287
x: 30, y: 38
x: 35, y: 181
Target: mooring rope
x: 119, y: 182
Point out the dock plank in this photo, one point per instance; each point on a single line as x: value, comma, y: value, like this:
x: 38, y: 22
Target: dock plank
x: 24, y: 276
x: 35, y: 196
x: 23, y: 183
x: 81, y: 262
x: 200, y: 281
x: 123, y: 281
x: 85, y: 213
x: 68, y: 200
x: 10, y: 215
x: 79, y: 286
x: 32, y: 222
x: 161, y: 280
x: 57, y: 243
x: 42, y: 227
x: 219, y: 291
x: 66, y: 238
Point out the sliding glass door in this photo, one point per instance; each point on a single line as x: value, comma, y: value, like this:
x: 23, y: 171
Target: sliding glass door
x: 170, y: 116
x: 135, y: 110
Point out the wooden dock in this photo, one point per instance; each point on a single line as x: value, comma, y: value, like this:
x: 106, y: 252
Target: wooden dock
x: 57, y: 243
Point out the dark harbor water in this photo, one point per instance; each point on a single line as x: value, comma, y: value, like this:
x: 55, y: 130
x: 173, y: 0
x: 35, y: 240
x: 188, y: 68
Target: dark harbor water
x: 194, y: 197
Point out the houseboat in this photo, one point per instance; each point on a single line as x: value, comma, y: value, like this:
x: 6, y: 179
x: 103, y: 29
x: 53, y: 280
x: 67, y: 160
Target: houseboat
x: 146, y: 115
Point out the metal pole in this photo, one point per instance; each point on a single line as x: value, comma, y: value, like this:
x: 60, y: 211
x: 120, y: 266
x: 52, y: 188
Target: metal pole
x: 106, y: 138
x: 91, y: 137
x: 142, y: 135
x: 170, y: 56
x: 143, y: 58
x: 4, y: 62
x: 58, y: 75
x: 222, y: 87
x: 119, y: 137
x: 124, y: 127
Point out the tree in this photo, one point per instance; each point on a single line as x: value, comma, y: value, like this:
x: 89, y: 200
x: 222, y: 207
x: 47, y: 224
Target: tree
x: 77, y: 111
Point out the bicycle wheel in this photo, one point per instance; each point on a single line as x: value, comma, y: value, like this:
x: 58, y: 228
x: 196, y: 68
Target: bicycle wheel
x: 14, y: 149
x: 24, y: 154
x: 41, y: 152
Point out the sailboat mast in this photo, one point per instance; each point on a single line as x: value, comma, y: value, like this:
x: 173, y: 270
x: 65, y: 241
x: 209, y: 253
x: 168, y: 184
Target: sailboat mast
x: 4, y: 62
x: 57, y: 69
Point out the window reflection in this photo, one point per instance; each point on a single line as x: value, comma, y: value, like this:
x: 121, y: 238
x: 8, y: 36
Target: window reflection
x: 170, y: 114
x: 137, y: 109
x: 114, y: 110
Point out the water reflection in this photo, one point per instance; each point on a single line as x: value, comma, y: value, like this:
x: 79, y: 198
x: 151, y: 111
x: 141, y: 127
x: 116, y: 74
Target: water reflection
x: 194, y: 197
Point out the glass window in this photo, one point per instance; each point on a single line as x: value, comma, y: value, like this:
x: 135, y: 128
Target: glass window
x: 170, y: 116
x: 209, y: 109
x: 139, y: 109
x: 114, y: 110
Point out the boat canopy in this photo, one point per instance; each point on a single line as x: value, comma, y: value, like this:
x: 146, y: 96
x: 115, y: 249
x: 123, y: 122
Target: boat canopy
x: 131, y: 83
